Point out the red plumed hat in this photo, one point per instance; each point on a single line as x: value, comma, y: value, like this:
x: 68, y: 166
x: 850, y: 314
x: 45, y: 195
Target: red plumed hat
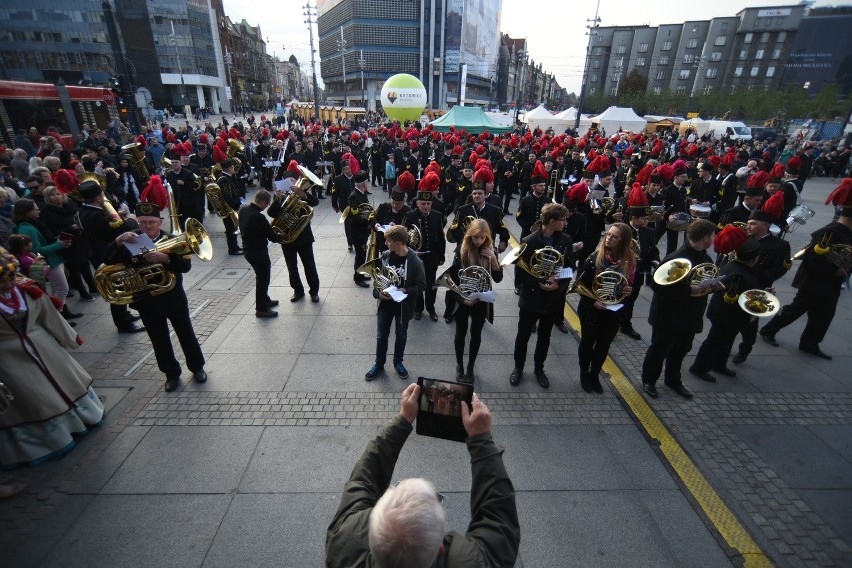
x: 599, y: 165
x: 458, y: 151
x: 539, y: 173
x: 484, y: 174
x: 714, y: 161
x: 353, y: 162
x: 777, y: 173
x: 473, y: 158
x: 142, y: 142
x: 644, y: 175
x: 218, y: 154
x: 433, y: 167
x: 842, y: 194
x: 406, y: 181
x: 155, y: 192
x: 679, y: 165
x: 536, y: 147
x: 264, y: 132
x: 794, y: 164
x: 480, y: 149
x: 578, y: 192
x: 774, y: 205
x: 729, y: 239
x: 430, y: 182
x: 628, y: 151
x: 759, y: 179
x: 728, y: 159
x: 293, y: 166
x: 65, y: 181
x: 582, y: 143
x: 637, y: 197
x: 658, y: 148
x: 180, y: 150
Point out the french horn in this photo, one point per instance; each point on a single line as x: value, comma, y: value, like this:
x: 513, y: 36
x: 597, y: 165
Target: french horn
x: 383, y: 276
x: 607, y: 287
x: 470, y: 280
x: 542, y: 264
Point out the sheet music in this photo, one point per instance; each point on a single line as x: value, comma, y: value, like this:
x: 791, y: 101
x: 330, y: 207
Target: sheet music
x: 283, y: 184
x: 395, y: 293
x: 615, y: 307
x: 597, y: 194
x: 565, y: 273
x: 142, y: 245
x: 487, y: 296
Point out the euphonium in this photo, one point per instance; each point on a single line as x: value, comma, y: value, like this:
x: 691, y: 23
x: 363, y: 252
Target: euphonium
x: 122, y: 284
x: 220, y: 206
x: 296, y: 214
x: 470, y: 280
x: 656, y: 213
x: 137, y: 159
x: 165, y: 164
x: 383, y: 276
x: 415, y: 238
x: 607, y: 287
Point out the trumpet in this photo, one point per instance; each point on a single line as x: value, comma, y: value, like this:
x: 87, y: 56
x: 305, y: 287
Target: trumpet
x: 470, y: 280
x: 607, y: 287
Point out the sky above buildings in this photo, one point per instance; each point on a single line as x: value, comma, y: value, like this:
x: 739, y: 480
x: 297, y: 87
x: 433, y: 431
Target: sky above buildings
x: 555, y: 29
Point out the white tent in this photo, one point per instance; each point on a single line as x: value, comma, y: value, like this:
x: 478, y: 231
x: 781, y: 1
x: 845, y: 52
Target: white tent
x: 585, y: 124
x: 614, y: 119
x: 540, y: 117
x: 700, y: 126
x: 502, y: 118
x: 569, y: 113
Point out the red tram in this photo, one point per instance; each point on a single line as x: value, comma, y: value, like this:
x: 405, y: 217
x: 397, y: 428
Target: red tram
x: 23, y: 105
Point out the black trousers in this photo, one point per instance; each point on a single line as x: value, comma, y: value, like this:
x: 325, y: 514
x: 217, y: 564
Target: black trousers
x: 472, y: 317
x: 820, y: 309
x: 450, y: 304
x: 306, y: 253
x: 230, y: 234
x: 597, y: 329
x: 426, y: 299
x: 526, y: 322
x: 714, y: 350
x: 668, y: 347
x: 262, y: 266
x: 157, y: 326
x: 347, y: 230
x: 671, y: 240
x: 80, y: 276
x: 359, y: 241
x: 626, y: 312
x: 506, y: 194
x: 378, y: 178
x: 749, y: 334
x: 120, y: 315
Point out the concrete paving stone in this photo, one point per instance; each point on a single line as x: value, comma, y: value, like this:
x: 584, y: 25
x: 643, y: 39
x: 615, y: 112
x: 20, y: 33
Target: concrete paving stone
x: 118, y: 531
x: 802, y: 459
x: 834, y: 506
x: 611, y: 528
x: 344, y: 334
x: 277, y: 335
x: 838, y: 436
x: 642, y: 463
x: 220, y: 334
x: 306, y: 459
x: 109, y: 461
x: 186, y: 459
x: 244, y: 372
x: 316, y: 372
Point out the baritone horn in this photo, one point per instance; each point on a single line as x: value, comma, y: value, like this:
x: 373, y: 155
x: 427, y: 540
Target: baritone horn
x: 296, y: 214
x: 220, y: 206
x: 137, y: 159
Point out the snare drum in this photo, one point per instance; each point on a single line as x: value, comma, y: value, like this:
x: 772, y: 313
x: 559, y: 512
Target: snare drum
x: 798, y: 216
x: 678, y: 221
x: 699, y: 210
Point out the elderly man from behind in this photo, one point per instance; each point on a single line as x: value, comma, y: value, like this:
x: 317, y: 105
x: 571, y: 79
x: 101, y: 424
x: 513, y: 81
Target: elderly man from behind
x: 404, y: 525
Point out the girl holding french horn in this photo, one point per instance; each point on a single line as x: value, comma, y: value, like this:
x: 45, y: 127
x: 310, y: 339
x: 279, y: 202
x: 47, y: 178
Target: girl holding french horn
x: 605, y: 280
x: 475, y: 259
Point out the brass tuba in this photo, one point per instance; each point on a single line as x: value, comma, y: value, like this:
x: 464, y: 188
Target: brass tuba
x: 607, y: 287
x: 122, y: 284
x: 295, y: 214
x: 137, y: 159
x: 220, y: 206
x: 383, y: 276
x: 470, y: 280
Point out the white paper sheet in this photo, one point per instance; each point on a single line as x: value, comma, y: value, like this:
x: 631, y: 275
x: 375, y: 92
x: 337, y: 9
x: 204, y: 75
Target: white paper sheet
x: 487, y: 296
x: 142, y: 245
x: 395, y: 293
x: 283, y: 184
x: 615, y: 307
x: 565, y: 273
x: 596, y: 194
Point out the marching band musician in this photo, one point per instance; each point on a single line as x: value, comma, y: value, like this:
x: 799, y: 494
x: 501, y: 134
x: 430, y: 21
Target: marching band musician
x: 749, y: 203
x: 464, y: 187
x: 201, y: 165
x: 529, y: 208
x: 773, y: 262
x: 649, y: 256
x: 452, y: 175
x: 705, y: 189
x: 541, y: 301
x: 818, y: 279
x: 726, y: 317
x: 344, y: 185
x: 479, y: 209
x: 302, y: 247
x: 432, y: 245
x: 477, y: 249
x: 231, y: 195
x: 278, y: 158
x: 100, y: 233
x: 389, y: 213
x: 182, y: 181
x: 507, y: 179
x: 359, y: 228
x: 673, y: 199
x: 596, y: 217
x: 598, y: 324
x: 409, y: 268
x: 676, y: 315
x: 256, y: 231
x: 261, y: 152
x: 171, y: 306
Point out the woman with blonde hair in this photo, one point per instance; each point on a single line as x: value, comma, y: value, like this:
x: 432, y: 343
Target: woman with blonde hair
x: 477, y: 249
x: 598, y: 323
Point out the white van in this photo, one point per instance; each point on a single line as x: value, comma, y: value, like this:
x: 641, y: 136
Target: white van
x: 734, y: 130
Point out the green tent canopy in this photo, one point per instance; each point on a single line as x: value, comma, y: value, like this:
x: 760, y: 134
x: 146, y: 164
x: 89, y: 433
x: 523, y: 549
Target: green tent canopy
x: 471, y: 119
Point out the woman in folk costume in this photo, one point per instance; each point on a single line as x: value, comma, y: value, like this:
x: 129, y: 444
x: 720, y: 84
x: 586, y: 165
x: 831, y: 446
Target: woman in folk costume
x: 53, y: 399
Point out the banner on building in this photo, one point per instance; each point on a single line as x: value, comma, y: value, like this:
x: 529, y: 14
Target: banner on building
x: 469, y: 36
x: 463, y: 84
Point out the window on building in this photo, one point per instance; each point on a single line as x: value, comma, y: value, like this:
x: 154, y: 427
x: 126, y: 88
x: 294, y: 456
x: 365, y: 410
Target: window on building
x: 643, y: 48
x: 664, y: 60
x: 681, y: 90
x: 622, y: 49
x: 598, y: 51
x: 661, y: 75
x: 688, y: 58
x: 776, y: 54
x: 711, y: 73
x: 716, y: 56
x: 640, y: 62
x: 613, y: 92
x: 592, y: 90
x: 743, y: 54
x: 738, y: 72
x: 754, y: 71
x: 764, y: 37
x: 667, y: 46
x: 684, y: 74
x: 781, y: 37
x: 759, y: 54
x: 594, y: 78
x: 724, y: 26
x: 770, y: 71
x: 707, y: 89
x: 619, y: 63
x: 720, y: 40
x: 691, y: 43
x: 747, y: 38
x: 658, y: 90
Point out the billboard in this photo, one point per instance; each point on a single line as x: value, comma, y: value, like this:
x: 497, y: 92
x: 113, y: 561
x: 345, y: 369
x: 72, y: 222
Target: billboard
x: 471, y: 36
x: 821, y: 55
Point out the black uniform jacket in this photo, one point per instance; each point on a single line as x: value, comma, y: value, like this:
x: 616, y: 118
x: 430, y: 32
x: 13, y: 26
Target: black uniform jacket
x: 255, y: 230
x: 774, y: 260
x: 817, y: 274
x: 672, y: 307
x: 532, y: 297
x: 306, y: 237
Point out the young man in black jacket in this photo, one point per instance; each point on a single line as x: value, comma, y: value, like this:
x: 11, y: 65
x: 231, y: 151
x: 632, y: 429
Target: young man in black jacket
x: 256, y: 232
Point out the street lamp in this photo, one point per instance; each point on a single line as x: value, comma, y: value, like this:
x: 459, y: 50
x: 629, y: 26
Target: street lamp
x: 310, y: 12
x: 592, y: 27
x: 173, y: 41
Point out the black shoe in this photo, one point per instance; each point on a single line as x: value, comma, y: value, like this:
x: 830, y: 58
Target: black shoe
x: 650, y: 389
x: 373, y: 372
x: 200, y: 376
x: 315, y: 298
x: 71, y: 323
x: 86, y: 297
x: 535, y: 328
x: 587, y: 386
x: 351, y: 248
x: 468, y: 376
x: 507, y: 212
x: 265, y: 314
x: 321, y: 197
x: 235, y: 253
x: 596, y: 384
x: 130, y: 328
x: 172, y: 383
x: 433, y: 316
x: 449, y: 318
x: 563, y: 327
x: 459, y: 373
x: 726, y: 371
x: 770, y: 339
x: 362, y: 283
x: 815, y: 350
x: 69, y: 294
x: 703, y: 375
x: 541, y: 378
x: 297, y: 296
x: 681, y: 390
x: 418, y: 315
x: 131, y: 318
x: 272, y: 303
x: 516, y: 376
x: 738, y: 359
x: 68, y: 314
x: 630, y: 332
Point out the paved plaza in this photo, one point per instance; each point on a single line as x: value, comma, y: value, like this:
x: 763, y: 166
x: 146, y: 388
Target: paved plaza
x: 246, y: 469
